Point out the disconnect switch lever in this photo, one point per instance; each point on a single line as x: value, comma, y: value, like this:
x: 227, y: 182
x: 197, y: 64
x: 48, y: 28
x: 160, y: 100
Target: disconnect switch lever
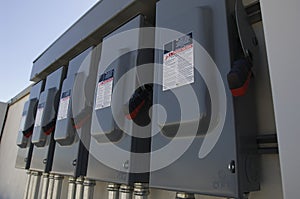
x: 239, y: 77
x: 139, y: 103
x: 241, y: 71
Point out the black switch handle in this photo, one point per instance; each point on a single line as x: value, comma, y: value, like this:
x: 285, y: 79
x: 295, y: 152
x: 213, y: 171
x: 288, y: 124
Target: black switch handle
x: 239, y: 77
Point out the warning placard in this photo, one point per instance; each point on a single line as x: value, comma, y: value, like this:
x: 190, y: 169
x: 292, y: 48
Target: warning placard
x: 104, y: 90
x: 64, y: 105
x: 39, y: 115
x: 178, y: 63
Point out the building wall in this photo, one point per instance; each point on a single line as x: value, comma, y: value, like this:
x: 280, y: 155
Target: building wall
x: 3, y: 109
x: 12, y: 180
x: 283, y: 47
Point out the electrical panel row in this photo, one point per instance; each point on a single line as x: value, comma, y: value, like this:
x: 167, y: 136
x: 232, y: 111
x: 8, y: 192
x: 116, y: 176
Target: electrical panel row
x: 151, y: 105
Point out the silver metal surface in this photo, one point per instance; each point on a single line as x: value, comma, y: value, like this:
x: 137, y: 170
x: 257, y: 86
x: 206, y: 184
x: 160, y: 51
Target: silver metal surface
x: 31, y: 187
x: 182, y: 195
x: 28, y: 185
x: 113, y: 191
x: 50, y: 186
x: 36, y: 179
x: 141, y: 191
x: 79, y: 188
x: 88, y: 189
x: 57, y: 186
x: 125, y: 192
x: 71, y: 188
x: 45, y: 184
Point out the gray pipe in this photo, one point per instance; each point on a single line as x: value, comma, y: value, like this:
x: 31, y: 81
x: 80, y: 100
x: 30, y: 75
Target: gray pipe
x: 31, y: 188
x: 79, y: 188
x: 57, y: 186
x: 45, y: 184
x: 113, y: 191
x: 28, y: 185
x: 71, y: 188
x: 50, y: 186
x: 141, y: 191
x: 35, y: 186
x: 88, y: 189
x: 183, y: 195
x: 125, y: 192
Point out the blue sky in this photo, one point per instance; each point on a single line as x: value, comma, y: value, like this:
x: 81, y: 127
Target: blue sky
x: 27, y: 29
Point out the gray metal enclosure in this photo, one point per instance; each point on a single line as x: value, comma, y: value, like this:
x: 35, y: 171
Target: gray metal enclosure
x: 25, y: 146
x: 210, y: 27
x: 45, y: 120
x: 118, y: 64
x: 72, y: 131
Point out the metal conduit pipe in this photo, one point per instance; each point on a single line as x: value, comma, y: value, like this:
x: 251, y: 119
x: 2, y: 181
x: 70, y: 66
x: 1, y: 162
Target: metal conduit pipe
x: 113, y: 191
x: 79, y: 188
x: 88, y: 189
x: 141, y: 191
x: 183, y: 195
x: 57, y: 186
x: 31, y: 188
x: 50, y: 186
x: 29, y: 195
x: 125, y: 192
x: 36, y: 179
x: 45, y: 183
x: 71, y: 188
x: 28, y: 185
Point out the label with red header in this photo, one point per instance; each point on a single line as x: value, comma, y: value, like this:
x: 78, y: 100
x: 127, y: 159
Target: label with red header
x: 64, y: 105
x: 104, y: 90
x: 39, y: 115
x: 178, y: 63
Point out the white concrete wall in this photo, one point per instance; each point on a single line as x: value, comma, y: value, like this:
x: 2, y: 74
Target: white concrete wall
x: 282, y: 31
x: 12, y: 180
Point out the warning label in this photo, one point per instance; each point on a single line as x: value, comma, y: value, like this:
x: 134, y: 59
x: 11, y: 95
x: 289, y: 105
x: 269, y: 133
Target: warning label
x: 39, y: 115
x: 178, y: 63
x: 104, y: 90
x: 64, y: 105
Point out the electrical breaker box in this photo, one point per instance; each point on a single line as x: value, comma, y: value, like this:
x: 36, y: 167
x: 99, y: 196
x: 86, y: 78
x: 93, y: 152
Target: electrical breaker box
x: 206, y: 141
x: 45, y: 120
x: 115, y: 143
x: 26, y: 127
x: 72, y: 132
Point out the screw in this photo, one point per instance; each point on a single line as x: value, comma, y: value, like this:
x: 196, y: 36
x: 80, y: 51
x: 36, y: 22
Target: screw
x: 126, y: 164
x: 231, y: 167
x: 74, y: 163
x: 45, y: 161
